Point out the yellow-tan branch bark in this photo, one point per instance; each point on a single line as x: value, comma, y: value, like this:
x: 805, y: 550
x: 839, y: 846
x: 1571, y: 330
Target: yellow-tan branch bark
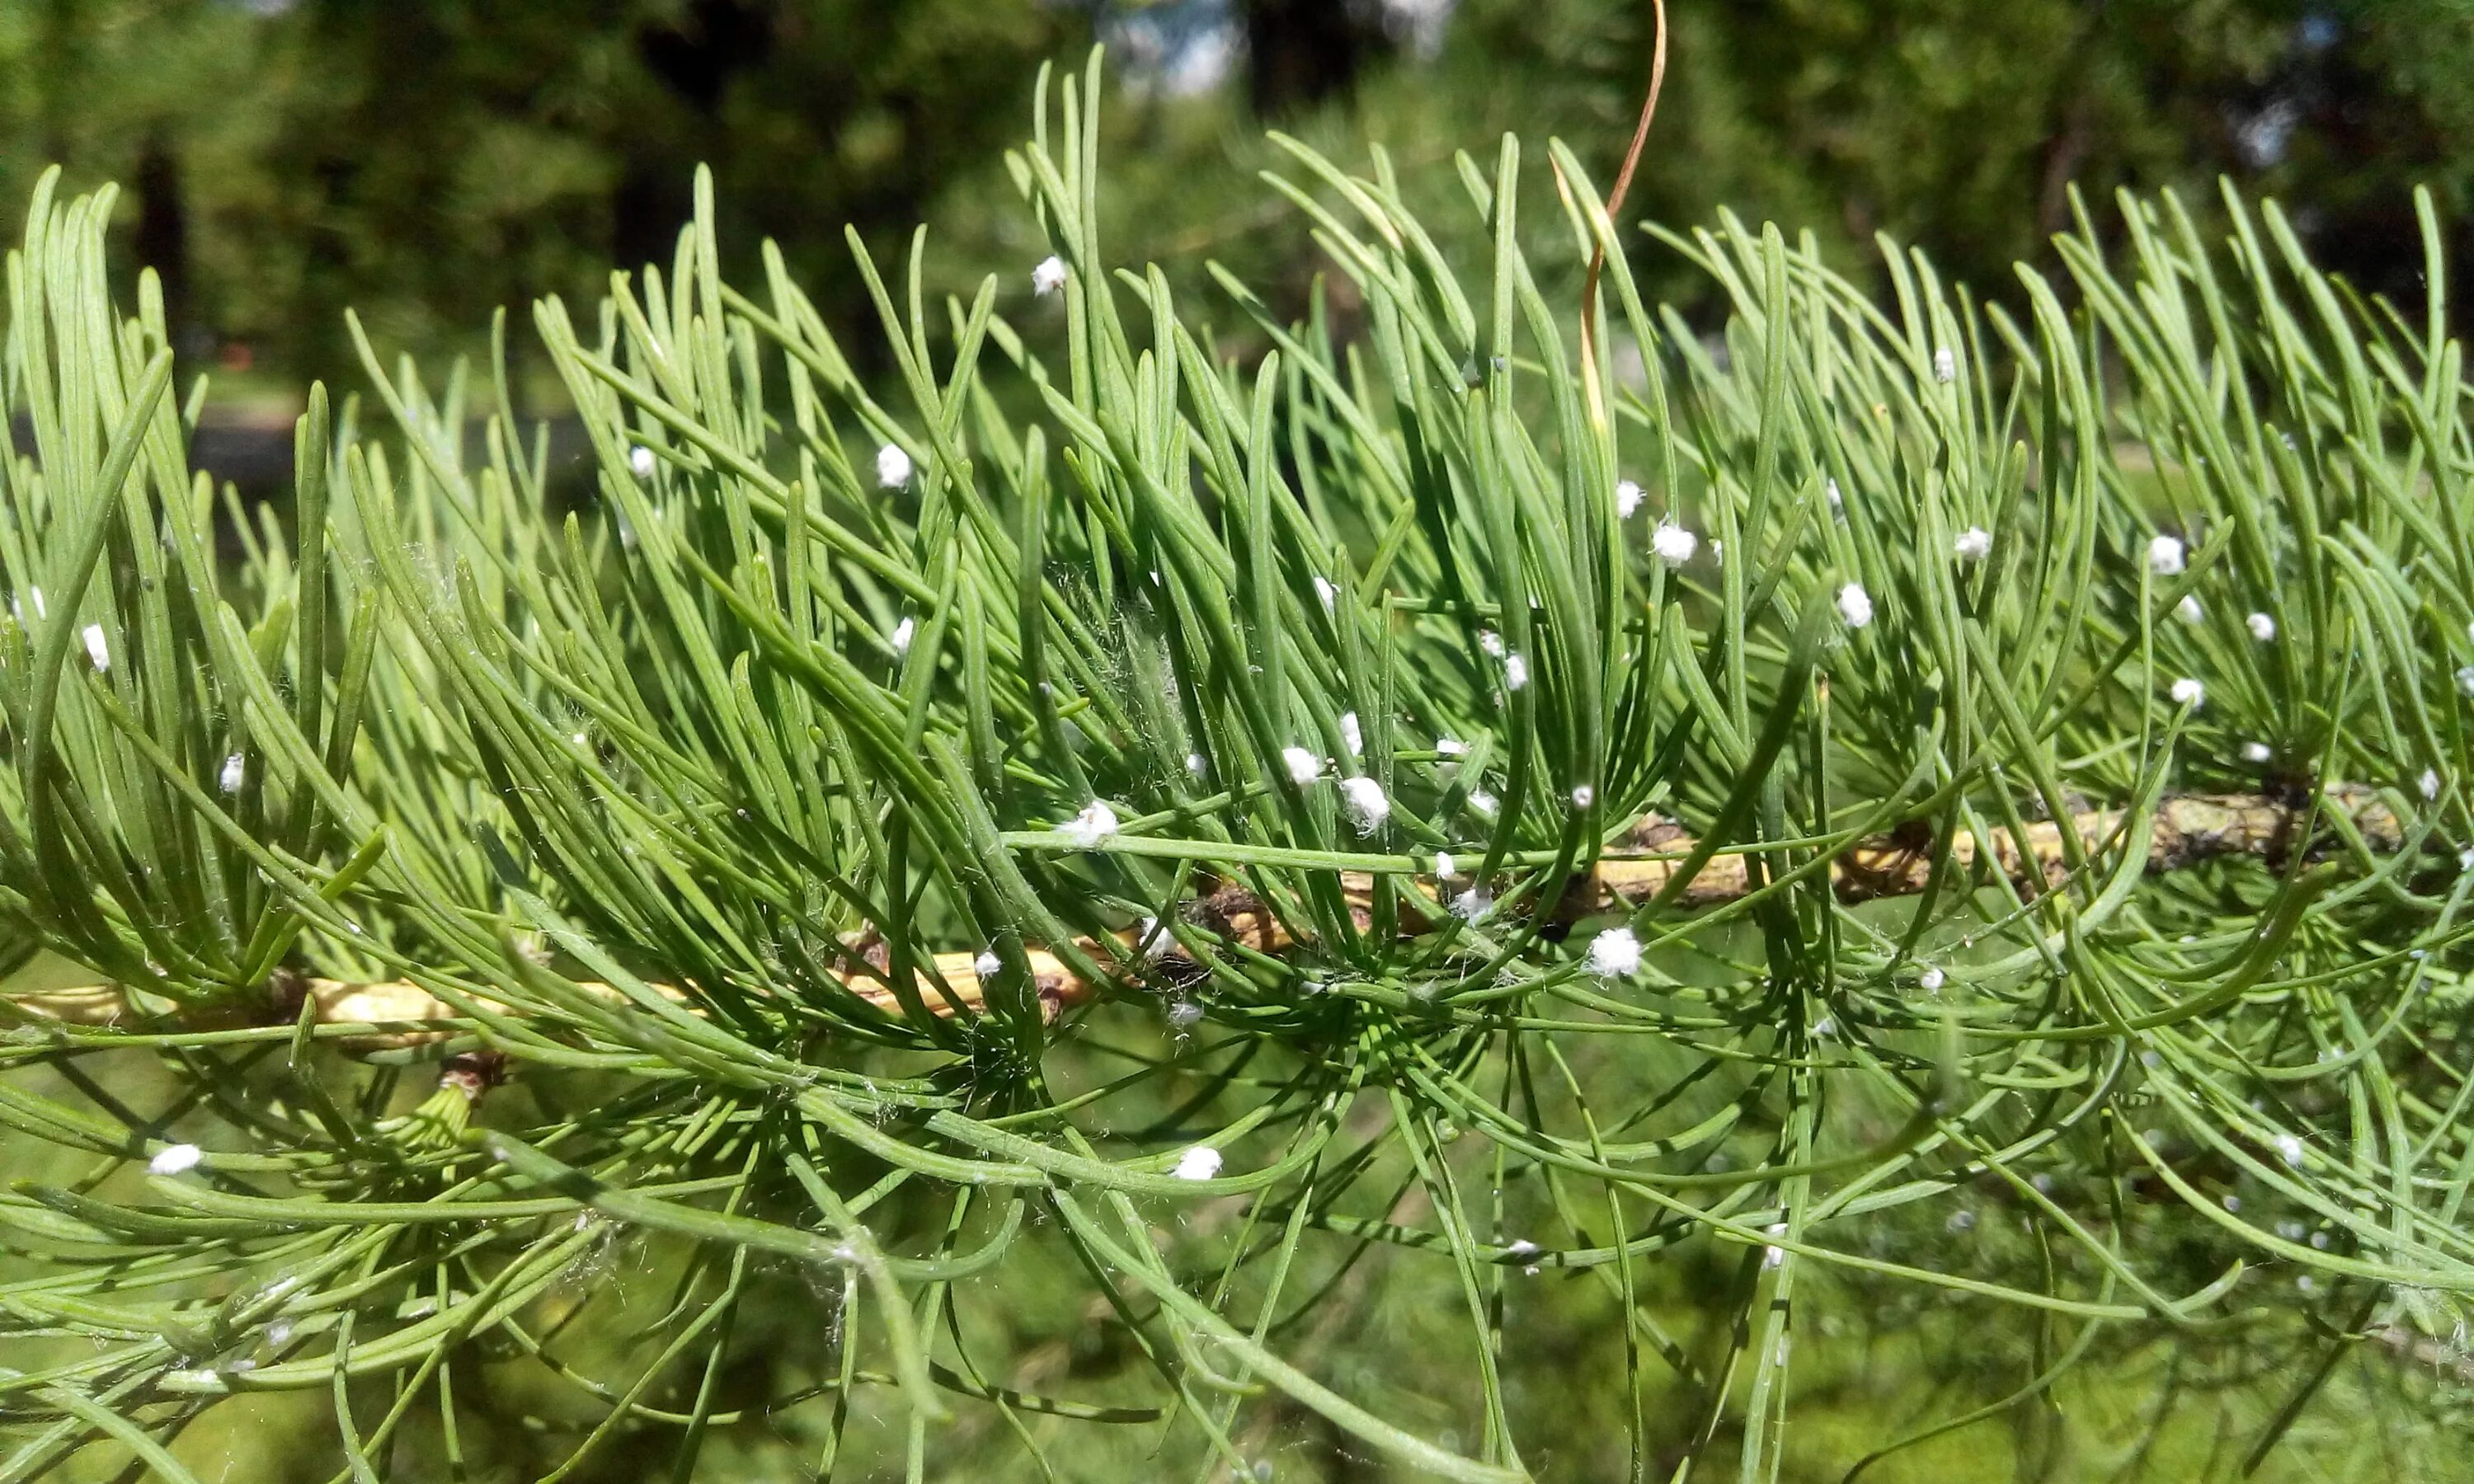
x: 2185, y: 829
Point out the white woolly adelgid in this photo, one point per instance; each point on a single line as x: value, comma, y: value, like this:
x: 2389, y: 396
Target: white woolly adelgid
x: 2428, y: 785
x: 892, y: 467
x: 988, y: 966
x: 174, y: 1159
x: 1854, y: 605
x: 1352, y: 734
x: 97, y: 649
x: 2262, y: 628
x: 1445, y: 867
x: 1627, y: 498
x: 2189, y: 692
x: 1614, y: 954
x: 1047, y: 276
x: 1473, y: 904
x: 1945, y: 365
x: 1515, y: 672
x: 639, y: 459
x: 1303, y: 766
x: 1450, y: 747
x: 1200, y: 1162
x: 2256, y: 752
x: 2165, y: 555
x: 903, y: 633
x: 236, y: 771
x: 2465, y: 680
x: 1490, y: 643
x: 1368, y: 807
x: 1326, y: 594
x: 2187, y: 609
x: 1973, y: 544
x: 1096, y: 823
x: 1672, y: 544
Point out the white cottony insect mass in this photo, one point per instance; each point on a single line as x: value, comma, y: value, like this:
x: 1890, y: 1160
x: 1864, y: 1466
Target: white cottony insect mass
x: 1614, y: 954
x: 1854, y: 605
x: 1303, y: 767
x: 1200, y: 1162
x: 2428, y: 783
x: 1049, y: 276
x: 174, y: 1159
x: 2262, y: 628
x: 2189, y: 692
x: 1368, y: 807
x: 988, y: 966
x: 1352, y: 734
x: 1945, y: 365
x: 902, y: 635
x: 2165, y: 555
x: 2256, y: 752
x: 641, y: 459
x: 1515, y: 672
x: 1446, y: 867
x: 1452, y: 746
x: 1326, y: 593
x: 892, y: 467
x: 96, y: 650
x: 1096, y: 823
x: 1627, y: 498
x: 1673, y: 545
x: 1973, y: 544
x: 2187, y: 609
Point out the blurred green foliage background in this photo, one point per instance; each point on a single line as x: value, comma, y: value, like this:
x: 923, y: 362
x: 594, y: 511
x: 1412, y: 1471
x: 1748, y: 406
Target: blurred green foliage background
x: 427, y: 162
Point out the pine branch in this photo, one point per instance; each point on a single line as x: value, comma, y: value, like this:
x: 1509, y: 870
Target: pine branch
x: 2185, y: 830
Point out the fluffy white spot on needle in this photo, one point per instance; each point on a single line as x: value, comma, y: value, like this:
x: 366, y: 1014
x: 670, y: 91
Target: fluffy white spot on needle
x: 1614, y: 954
x: 903, y: 633
x: 1049, y: 276
x: 1096, y: 823
x: 2189, y: 692
x: 1368, y: 807
x: 892, y: 467
x: 1856, y: 605
x: 96, y: 649
x: 1303, y: 767
x: 1945, y: 365
x: 174, y: 1159
x: 2165, y: 555
x: 236, y: 771
x: 1627, y: 498
x: 2262, y: 628
x: 641, y: 459
x: 1973, y: 544
x: 1200, y: 1162
x: 1672, y: 544
x: 1352, y: 733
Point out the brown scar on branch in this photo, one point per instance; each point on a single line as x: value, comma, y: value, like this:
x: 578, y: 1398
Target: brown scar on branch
x: 2185, y: 829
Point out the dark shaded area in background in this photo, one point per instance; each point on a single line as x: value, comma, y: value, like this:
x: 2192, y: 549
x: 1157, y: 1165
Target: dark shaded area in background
x: 284, y: 159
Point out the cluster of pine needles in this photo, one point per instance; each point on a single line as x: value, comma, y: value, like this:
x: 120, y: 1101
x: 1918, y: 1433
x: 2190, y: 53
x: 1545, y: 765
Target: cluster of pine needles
x: 1091, y: 783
